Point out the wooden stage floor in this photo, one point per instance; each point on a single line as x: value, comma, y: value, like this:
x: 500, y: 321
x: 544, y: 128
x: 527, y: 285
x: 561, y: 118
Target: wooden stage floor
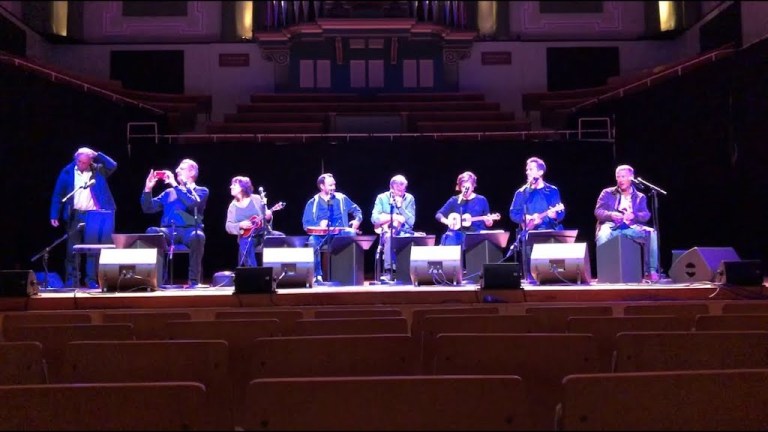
x: 377, y: 295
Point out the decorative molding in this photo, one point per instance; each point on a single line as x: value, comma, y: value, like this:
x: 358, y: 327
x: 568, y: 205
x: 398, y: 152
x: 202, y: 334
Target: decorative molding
x: 279, y: 56
x: 454, y: 55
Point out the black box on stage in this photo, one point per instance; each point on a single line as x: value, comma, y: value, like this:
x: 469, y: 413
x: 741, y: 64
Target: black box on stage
x: 501, y: 276
x: 254, y: 280
x: 18, y: 283
x: 744, y: 273
x: 619, y: 260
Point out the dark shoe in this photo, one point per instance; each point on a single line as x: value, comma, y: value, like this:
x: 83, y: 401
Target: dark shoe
x: 193, y: 284
x: 92, y: 284
x: 318, y: 280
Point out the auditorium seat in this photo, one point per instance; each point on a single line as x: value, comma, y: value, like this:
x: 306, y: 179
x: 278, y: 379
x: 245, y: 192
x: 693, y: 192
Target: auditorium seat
x: 350, y: 326
x: 55, y: 337
x: 22, y: 363
x: 331, y: 356
x: 204, y: 362
x: 98, y: 407
x: 554, y: 319
x: 418, y: 314
x: 732, y: 322
x: 682, y: 400
x: 147, y: 325
x: 541, y: 360
x: 605, y: 328
x: 239, y: 336
x: 436, y: 325
x: 287, y: 317
x: 687, y: 311
x: 379, y: 312
x: 387, y: 403
x: 13, y: 319
x: 668, y: 351
x: 745, y: 308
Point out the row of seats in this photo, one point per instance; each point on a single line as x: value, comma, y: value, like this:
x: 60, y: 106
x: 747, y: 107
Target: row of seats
x: 702, y: 400
x: 180, y: 110
x: 148, y: 323
x: 317, y: 113
x: 541, y: 361
x: 556, y: 106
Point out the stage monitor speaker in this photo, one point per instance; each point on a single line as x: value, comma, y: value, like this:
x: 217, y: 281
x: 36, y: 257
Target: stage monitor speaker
x: 18, y: 283
x: 501, y: 276
x: 560, y: 263
x: 436, y: 265
x: 700, y: 264
x: 619, y: 260
x: 291, y: 267
x: 254, y: 280
x: 743, y: 273
x: 128, y: 269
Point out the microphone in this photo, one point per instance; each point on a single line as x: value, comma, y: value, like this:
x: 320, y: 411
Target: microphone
x: 534, y: 180
x: 261, y: 190
x: 636, y: 181
x: 90, y: 183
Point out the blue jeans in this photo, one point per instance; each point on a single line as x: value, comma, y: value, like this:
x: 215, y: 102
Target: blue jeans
x: 452, y: 238
x: 246, y: 256
x: 644, y: 235
x: 317, y: 242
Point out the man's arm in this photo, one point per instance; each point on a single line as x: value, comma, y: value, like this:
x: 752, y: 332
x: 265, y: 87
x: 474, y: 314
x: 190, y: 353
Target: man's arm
x: 516, y: 213
x: 105, y: 164
x: 642, y: 214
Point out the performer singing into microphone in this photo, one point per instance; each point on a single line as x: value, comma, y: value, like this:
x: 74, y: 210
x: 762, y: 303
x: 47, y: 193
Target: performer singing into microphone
x: 465, y: 212
x: 394, y: 212
x: 535, y: 206
x: 182, y: 204
x: 330, y: 211
x: 81, y: 188
x: 247, y: 218
x: 622, y: 210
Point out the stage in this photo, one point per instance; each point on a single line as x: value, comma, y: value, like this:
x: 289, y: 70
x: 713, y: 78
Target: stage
x: 370, y: 295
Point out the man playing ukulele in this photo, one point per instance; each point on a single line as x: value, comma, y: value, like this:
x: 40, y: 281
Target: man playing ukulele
x: 535, y: 206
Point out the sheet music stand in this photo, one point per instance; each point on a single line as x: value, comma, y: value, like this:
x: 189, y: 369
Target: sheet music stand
x: 482, y: 248
x: 99, y: 226
x: 543, y: 236
x: 346, y: 262
x: 285, y: 241
x: 402, y: 247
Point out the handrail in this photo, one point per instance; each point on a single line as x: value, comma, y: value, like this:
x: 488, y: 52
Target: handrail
x: 86, y: 86
x: 711, y: 57
x: 534, y: 134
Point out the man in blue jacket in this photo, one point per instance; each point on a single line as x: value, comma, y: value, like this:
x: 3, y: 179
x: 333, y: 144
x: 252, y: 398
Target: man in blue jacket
x: 82, y: 189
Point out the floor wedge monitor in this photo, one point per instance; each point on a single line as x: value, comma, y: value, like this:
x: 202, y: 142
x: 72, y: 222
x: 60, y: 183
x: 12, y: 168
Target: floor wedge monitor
x: 291, y: 267
x: 128, y: 269
x: 560, y: 263
x: 436, y: 265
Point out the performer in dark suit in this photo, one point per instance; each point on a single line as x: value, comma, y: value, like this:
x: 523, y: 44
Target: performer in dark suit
x: 82, y: 188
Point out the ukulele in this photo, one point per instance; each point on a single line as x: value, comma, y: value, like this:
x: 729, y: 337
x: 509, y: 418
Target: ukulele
x: 257, y: 221
x: 455, y: 221
x: 530, y: 220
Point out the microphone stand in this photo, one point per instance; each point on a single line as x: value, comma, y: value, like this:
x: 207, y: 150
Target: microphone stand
x: 46, y: 252
x: 392, y: 257
x: 654, y: 195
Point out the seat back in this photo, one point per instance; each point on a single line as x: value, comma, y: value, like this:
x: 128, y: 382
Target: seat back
x: 54, y: 339
x: 147, y: 325
x: 13, y: 319
x: 554, y: 319
x: 129, y: 406
x: 204, y: 362
x: 732, y: 322
x: 350, y: 326
x: 435, y: 325
x: 358, y: 313
x: 541, y: 360
x: 605, y: 329
x: 287, y: 317
x: 682, y: 400
x: 22, y: 363
x: 387, y: 403
x: 671, y: 351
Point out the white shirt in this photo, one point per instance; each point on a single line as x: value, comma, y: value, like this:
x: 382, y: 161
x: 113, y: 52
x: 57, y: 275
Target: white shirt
x: 83, y: 197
